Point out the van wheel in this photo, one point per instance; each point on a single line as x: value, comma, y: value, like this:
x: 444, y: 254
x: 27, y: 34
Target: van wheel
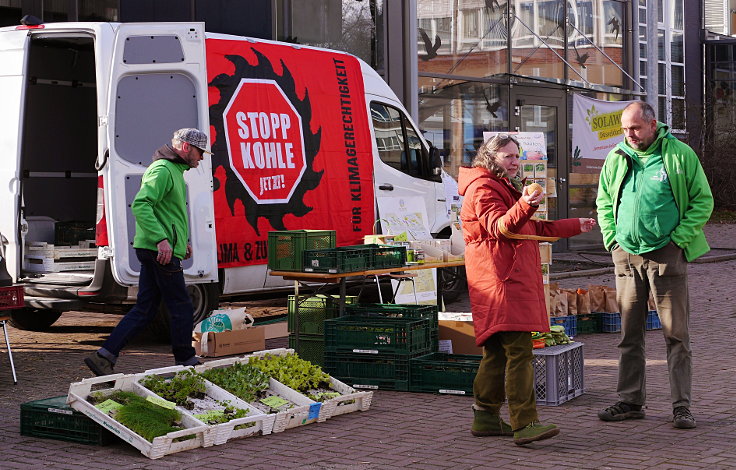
x: 33, y: 319
x: 454, y: 283
x: 205, y: 299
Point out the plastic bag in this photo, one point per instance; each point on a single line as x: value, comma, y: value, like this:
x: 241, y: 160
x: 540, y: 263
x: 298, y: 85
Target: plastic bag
x: 225, y: 320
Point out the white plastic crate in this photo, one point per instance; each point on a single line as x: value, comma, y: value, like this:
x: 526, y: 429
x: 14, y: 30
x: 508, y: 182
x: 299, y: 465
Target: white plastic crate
x: 160, y: 446
x: 46, y: 257
x: 223, y: 432
x: 558, y: 373
x: 85, y: 249
x: 305, y: 411
x: 349, y: 400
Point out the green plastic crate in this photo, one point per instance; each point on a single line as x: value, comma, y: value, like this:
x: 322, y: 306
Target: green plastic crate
x: 407, y: 336
x: 344, y: 259
x: 387, y: 256
x: 371, y: 371
x: 52, y: 418
x: 430, y: 312
x: 286, y: 247
x: 310, y: 348
x: 313, y: 311
x: 444, y: 373
x: 589, y: 323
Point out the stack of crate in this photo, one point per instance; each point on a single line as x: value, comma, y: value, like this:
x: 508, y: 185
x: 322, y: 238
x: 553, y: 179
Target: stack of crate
x: 372, y: 346
x: 43, y: 257
x: 286, y: 247
x: 558, y: 373
x: 306, y: 323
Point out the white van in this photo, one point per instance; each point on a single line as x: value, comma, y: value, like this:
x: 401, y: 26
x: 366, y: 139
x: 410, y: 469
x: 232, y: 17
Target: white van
x: 303, y: 138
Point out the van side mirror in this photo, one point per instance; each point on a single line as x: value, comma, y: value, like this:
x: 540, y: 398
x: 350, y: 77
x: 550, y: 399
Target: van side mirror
x: 435, y: 160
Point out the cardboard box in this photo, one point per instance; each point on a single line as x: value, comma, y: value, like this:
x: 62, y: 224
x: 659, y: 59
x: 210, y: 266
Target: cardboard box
x: 227, y: 343
x: 458, y: 328
x: 275, y: 330
x: 545, y: 252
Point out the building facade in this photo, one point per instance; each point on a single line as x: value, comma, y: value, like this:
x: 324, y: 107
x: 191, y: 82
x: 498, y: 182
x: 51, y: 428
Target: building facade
x: 463, y: 67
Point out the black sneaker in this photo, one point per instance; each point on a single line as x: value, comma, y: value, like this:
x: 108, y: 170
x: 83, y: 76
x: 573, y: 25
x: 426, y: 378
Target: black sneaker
x: 621, y: 411
x: 683, y: 419
x: 99, y: 365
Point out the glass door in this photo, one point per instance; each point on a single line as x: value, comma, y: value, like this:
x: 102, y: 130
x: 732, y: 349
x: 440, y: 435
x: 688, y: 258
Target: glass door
x: 544, y: 110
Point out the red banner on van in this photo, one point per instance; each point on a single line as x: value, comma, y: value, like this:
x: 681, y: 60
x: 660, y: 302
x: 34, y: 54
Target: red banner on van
x: 291, y: 145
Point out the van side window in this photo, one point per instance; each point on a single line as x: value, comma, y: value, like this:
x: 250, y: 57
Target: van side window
x: 398, y: 144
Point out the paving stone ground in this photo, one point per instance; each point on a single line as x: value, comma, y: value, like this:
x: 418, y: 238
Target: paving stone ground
x: 413, y: 430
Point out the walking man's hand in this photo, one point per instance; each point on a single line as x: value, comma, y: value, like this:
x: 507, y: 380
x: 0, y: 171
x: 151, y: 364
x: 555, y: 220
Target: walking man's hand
x: 164, y: 252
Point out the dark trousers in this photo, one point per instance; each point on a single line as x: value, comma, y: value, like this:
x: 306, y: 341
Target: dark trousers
x: 506, y: 371
x: 662, y: 272
x: 157, y: 282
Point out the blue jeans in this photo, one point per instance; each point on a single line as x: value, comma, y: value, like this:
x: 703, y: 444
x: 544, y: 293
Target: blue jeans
x: 156, y: 282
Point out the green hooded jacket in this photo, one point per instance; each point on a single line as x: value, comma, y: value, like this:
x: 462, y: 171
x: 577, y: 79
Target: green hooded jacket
x: 160, y: 208
x: 689, y: 187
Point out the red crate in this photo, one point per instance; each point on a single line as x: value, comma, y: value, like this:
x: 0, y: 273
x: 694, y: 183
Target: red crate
x: 11, y: 297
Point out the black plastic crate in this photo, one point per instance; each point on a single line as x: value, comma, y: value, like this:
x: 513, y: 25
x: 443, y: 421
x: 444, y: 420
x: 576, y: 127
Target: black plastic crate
x: 444, y: 373
x: 362, y: 335
x: 309, y: 347
x: 344, y: 259
x: 369, y: 371
x: 52, y: 418
x: 589, y: 323
x: 430, y: 312
x: 286, y: 247
x: 387, y: 256
x: 72, y: 232
x: 313, y: 311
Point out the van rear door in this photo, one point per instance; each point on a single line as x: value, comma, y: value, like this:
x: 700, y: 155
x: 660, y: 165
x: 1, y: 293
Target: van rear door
x: 157, y: 85
x: 13, y: 50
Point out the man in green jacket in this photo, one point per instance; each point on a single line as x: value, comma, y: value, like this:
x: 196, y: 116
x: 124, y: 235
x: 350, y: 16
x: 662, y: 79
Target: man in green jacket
x: 653, y: 200
x: 161, y: 243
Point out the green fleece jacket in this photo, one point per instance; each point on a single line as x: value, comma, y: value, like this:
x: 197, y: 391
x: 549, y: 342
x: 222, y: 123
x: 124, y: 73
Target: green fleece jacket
x: 689, y: 187
x: 160, y: 208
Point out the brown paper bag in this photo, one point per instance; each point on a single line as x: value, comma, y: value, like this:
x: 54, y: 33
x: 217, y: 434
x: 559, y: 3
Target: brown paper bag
x: 572, y: 301
x: 611, y: 303
x: 558, y: 303
x: 597, y: 296
x: 583, y: 301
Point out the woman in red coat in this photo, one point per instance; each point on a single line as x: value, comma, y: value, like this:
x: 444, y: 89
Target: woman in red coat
x: 502, y: 263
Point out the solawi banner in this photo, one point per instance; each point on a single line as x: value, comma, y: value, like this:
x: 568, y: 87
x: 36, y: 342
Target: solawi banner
x: 291, y: 144
x: 596, y: 129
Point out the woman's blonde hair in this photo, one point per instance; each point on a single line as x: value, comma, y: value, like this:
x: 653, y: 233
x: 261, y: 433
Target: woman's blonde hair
x: 486, y: 156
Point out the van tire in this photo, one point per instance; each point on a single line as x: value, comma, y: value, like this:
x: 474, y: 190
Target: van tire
x: 205, y: 299
x: 33, y: 319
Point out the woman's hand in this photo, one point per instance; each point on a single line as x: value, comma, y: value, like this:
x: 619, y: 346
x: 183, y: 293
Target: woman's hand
x: 586, y: 225
x: 534, y: 197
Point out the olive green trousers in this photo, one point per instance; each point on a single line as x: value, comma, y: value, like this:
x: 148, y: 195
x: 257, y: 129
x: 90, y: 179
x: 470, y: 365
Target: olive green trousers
x: 506, y: 371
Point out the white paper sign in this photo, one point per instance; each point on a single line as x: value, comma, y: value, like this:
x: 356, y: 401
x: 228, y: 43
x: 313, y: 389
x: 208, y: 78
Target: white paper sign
x: 408, y: 215
x: 404, y: 215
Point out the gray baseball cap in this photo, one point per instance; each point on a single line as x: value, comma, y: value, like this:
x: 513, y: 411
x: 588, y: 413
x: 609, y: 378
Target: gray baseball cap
x: 193, y: 137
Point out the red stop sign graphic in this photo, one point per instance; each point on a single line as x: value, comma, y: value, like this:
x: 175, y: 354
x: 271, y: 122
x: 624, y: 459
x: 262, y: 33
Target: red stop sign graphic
x: 264, y: 141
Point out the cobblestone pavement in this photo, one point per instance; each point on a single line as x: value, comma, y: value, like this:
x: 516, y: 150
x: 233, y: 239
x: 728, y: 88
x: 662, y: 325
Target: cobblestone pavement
x: 413, y: 430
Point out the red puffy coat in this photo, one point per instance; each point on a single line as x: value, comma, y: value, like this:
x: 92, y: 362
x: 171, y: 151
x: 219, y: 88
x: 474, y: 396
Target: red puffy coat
x: 502, y: 259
